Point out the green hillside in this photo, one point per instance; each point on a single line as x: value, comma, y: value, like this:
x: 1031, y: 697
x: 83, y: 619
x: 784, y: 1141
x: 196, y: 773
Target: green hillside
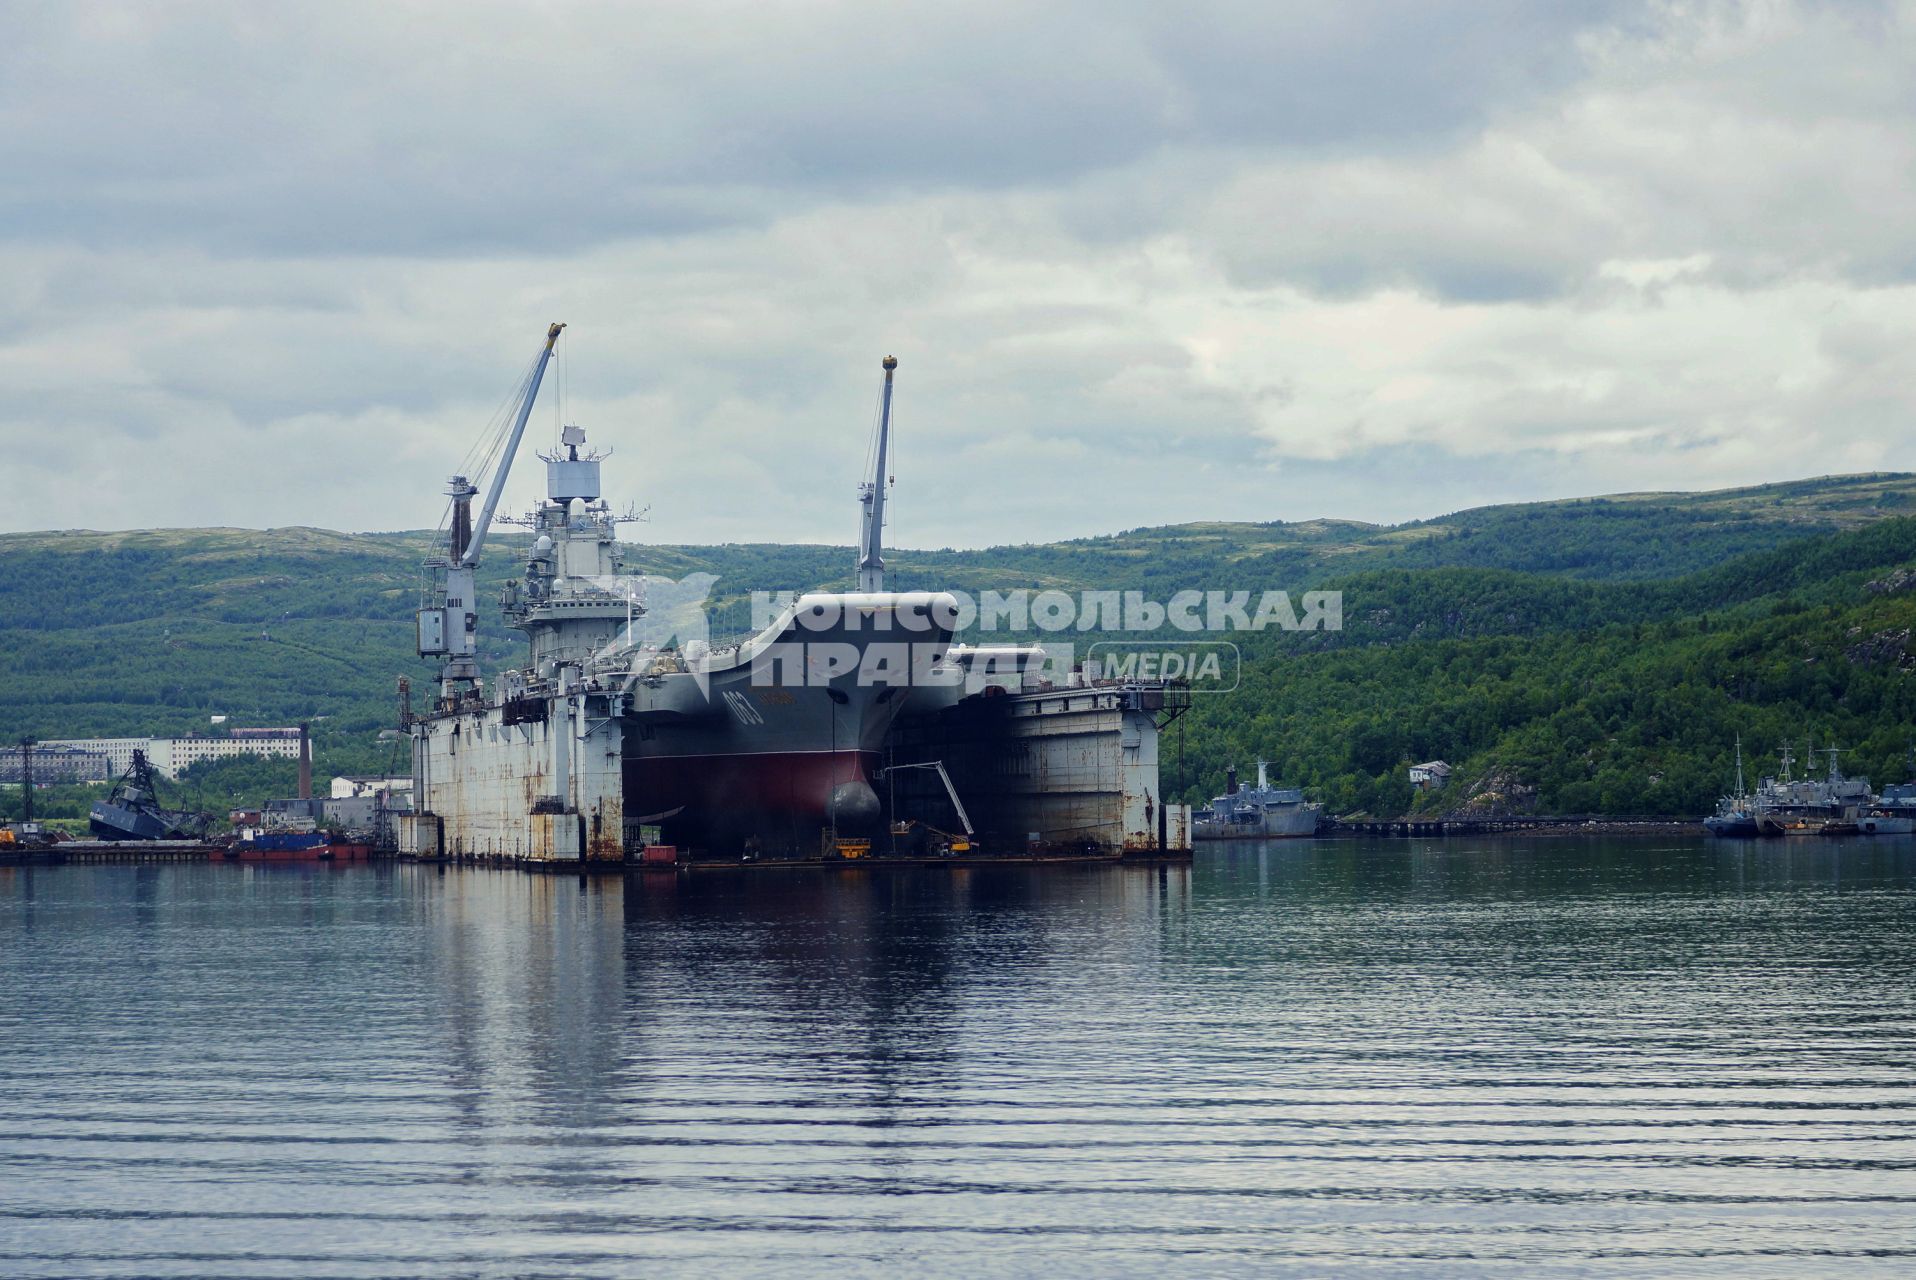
x: 1560, y: 696
x: 1579, y: 649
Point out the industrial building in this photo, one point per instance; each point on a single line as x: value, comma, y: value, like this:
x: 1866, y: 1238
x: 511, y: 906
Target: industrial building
x: 172, y: 756
x: 56, y: 764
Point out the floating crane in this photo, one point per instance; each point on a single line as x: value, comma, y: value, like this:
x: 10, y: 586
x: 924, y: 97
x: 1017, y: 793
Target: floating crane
x: 449, y: 618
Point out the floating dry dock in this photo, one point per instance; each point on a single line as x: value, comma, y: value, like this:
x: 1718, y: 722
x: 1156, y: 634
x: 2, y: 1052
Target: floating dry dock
x: 1048, y: 769
x: 1039, y: 774
x: 851, y: 727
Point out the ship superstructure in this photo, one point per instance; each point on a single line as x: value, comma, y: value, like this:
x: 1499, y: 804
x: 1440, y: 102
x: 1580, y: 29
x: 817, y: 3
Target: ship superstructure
x: 1893, y: 813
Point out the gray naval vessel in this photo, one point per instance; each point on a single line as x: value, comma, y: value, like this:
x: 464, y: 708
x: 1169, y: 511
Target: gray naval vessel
x: 1786, y: 805
x: 132, y: 810
x: 623, y: 716
x: 1893, y: 813
x: 1833, y: 805
x: 1263, y: 812
x: 1735, y: 816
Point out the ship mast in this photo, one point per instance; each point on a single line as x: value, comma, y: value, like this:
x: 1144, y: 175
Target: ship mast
x: 871, y: 496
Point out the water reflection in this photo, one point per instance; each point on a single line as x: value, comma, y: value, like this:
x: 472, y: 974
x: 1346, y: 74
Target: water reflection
x: 1563, y: 1054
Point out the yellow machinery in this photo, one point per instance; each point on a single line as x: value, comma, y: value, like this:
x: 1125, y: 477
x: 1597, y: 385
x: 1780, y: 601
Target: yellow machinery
x: 957, y: 844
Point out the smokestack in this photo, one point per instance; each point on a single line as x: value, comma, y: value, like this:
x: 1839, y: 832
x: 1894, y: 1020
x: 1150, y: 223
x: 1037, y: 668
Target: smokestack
x: 305, y: 764
x: 1230, y: 780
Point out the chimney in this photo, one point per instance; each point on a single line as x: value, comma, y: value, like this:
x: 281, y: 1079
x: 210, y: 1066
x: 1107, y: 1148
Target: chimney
x: 1230, y: 780
x: 305, y: 764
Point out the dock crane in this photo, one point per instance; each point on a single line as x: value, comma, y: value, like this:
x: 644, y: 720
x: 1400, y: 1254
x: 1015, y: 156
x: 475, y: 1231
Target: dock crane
x: 449, y: 618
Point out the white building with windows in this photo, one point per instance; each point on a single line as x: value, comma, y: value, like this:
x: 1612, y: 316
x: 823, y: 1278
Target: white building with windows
x: 171, y: 756
x: 346, y: 788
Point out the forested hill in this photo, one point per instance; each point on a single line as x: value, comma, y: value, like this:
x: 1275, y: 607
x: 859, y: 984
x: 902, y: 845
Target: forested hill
x: 1560, y: 696
x: 1596, y: 654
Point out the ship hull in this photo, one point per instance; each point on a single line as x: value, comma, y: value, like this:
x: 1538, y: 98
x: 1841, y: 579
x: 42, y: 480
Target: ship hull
x: 1284, y: 824
x: 767, y: 757
x: 771, y: 803
x: 323, y: 851
x: 1832, y: 822
x: 117, y: 822
x: 765, y: 771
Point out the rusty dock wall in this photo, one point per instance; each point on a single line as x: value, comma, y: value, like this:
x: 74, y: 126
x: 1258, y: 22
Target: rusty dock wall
x: 1051, y: 769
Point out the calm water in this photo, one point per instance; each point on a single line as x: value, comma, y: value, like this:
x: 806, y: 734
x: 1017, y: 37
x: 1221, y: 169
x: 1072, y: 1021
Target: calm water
x: 1551, y: 1057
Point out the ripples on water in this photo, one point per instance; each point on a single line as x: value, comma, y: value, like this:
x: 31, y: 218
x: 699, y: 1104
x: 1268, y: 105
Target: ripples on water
x: 1557, y: 1057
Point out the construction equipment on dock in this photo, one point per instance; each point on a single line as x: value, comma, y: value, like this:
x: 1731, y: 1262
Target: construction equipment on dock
x: 952, y: 843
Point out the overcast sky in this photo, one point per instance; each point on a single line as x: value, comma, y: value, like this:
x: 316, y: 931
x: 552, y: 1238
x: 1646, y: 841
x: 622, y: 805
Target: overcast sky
x: 270, y: 264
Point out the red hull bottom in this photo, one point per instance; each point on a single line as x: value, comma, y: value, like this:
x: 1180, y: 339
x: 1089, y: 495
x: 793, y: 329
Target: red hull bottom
x: 776, y: 803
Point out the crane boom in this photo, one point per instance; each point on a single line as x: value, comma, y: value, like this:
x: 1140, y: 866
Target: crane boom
x: 939, y: 767
x: 470, y: 559
x: 871, y: 558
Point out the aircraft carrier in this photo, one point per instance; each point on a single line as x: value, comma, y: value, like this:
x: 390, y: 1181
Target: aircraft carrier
x: 625, y: 733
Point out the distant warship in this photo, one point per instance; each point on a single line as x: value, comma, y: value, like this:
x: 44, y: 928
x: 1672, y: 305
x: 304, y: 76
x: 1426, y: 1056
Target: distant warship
x: 1832, y: 805
x: 1893, y: 813
x: 1262, y: 812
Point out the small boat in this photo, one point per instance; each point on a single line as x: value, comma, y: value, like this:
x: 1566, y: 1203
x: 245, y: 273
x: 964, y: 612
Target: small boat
x: 293, y: 846
x: 1732, y: 823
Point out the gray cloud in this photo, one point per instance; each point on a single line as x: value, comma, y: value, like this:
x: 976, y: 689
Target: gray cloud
x: 276, y: 265
x: 375, y: 129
